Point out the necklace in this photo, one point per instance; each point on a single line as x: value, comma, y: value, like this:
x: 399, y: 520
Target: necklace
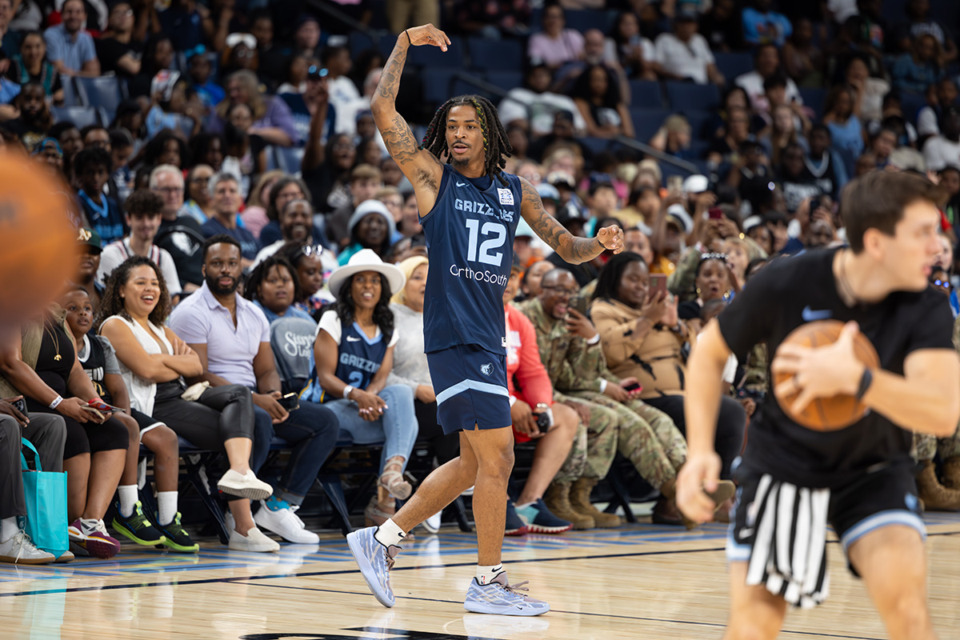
x: 56, y: 342
x: 846, y: 291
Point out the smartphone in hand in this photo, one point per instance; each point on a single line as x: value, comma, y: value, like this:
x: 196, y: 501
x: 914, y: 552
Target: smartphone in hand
x: 290, y: 402
x: 658, y: 283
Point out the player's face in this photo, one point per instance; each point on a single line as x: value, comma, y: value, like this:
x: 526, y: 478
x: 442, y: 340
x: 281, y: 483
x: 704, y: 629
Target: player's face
x: 633, y: 285
x: 910, y: 254
x: 79, y: 311
x: 141, y: 291
x: 366, y: 289
x: 464, y: 136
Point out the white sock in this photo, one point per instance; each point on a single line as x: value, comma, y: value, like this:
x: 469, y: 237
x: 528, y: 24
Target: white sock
x: 485, y: 575
x: 8, y: 528
x: 521, y: 506
x: 128, y: 499
x: 167, y: 505
x: 389, y: 534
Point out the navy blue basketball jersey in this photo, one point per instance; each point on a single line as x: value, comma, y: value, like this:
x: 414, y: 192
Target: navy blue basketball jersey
x: 469, y: 235
x: 359, y: 357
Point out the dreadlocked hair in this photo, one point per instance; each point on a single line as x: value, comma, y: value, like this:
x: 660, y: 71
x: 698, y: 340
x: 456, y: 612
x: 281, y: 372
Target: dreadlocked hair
x: 496, y: 146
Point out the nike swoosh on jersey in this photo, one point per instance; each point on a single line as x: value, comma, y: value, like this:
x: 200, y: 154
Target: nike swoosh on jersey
x: 353, y: 339
x: 812, y: 315
x: 461, y: 184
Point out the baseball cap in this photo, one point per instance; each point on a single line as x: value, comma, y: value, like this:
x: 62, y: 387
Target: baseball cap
x: 679, y: 214
x: 548, y: 192
x: 696, y: 184
x: 90, y: 238
x: 558, y: 178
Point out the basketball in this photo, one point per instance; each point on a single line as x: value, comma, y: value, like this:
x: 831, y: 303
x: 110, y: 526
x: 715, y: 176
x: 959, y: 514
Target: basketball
x: 39, y: 242
x: 826, y: 414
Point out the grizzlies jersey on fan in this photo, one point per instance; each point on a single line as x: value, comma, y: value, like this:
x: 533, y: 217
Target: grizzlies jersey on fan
x: 469, y: 234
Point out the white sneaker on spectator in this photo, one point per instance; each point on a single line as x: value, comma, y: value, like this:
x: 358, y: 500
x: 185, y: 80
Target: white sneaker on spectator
x: 245, y: 485
x: 254, y: 541
x: 19, y: 549
x: 432, y: 524
x: 281, y: 518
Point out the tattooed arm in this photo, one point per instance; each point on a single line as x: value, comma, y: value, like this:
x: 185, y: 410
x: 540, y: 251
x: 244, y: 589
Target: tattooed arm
x: 419, y: 165
x: 569, y: 247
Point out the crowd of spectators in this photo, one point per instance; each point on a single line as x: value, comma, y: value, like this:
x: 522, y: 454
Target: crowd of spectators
x: 239, y: 220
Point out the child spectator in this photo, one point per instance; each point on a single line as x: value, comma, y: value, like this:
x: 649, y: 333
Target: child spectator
x: 101, y: 213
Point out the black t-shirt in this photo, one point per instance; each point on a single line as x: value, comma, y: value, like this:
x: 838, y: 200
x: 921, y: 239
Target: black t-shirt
x: 183, y: 239
x: 789, y: 293
x: 109, y: 51
x: 52, y: 370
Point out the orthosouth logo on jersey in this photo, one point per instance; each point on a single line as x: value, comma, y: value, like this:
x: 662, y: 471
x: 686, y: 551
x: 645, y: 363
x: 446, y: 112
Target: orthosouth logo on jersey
x: 479, y: 276
x: 485, y: 209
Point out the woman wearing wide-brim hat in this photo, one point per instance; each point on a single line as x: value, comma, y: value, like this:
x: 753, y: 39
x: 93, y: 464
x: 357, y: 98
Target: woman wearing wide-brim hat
x: 354, y: 354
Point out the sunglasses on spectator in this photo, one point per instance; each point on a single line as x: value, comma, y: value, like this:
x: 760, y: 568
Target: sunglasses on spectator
x: 311, y: 251
x: 943, y: 284
x: 316, y: 72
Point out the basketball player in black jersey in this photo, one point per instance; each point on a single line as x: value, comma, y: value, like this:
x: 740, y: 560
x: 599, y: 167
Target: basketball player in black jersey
x: 793, y: 480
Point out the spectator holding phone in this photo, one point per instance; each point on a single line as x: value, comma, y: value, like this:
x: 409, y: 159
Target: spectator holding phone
x: 642, y: 337
x: 99, y: 362
x: 232, y: 339
x: 617, y: 420
x: 554, y: 427
x: 45, y: 369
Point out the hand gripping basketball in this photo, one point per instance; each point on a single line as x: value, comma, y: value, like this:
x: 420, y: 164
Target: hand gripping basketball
x: 816, y: 371
x: 428, y: 34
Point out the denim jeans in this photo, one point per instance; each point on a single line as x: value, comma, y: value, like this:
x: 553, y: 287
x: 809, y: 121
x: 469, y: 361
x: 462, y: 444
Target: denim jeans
x: 396, y: 429
x: 311, y: 431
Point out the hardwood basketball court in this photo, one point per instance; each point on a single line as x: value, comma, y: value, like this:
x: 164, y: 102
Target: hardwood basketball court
x: 642, y: 581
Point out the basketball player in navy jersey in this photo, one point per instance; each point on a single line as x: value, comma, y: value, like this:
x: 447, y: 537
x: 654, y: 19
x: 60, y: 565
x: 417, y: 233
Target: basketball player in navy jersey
x: 793, y: 480
x: 469, y: 211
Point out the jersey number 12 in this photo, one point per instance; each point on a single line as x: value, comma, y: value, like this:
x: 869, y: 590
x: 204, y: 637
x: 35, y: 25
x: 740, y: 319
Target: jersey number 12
x: 497, y: 238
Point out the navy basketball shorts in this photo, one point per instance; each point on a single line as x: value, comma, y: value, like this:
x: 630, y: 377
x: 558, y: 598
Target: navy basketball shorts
x: 881, y: 497
x: 471, y: 388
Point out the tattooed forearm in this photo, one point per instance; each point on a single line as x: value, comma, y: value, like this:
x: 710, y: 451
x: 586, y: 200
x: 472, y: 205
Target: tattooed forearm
x: 573, y: 250
x: 392, y: 70
x: 399, y: 140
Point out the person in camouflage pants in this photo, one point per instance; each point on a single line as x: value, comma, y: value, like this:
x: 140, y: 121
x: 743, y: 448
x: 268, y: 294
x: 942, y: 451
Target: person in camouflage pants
x: 616, y: 422
x: 939, y: 493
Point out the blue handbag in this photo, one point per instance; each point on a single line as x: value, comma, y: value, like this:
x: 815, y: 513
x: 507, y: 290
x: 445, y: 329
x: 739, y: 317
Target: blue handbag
x: 46, y: 499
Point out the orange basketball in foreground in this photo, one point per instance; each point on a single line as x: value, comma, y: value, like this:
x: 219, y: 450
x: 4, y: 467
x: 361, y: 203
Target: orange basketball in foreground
x: 39, y: 244
x: 826, y: 414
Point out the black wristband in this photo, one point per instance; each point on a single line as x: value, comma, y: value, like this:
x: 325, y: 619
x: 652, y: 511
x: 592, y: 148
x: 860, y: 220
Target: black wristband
x: 408, y: 37
x: 865, y: 381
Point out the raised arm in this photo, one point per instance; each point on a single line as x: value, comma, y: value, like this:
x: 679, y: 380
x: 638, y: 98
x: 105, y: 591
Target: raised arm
x: 419, y: 165
x: 569, y: 247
